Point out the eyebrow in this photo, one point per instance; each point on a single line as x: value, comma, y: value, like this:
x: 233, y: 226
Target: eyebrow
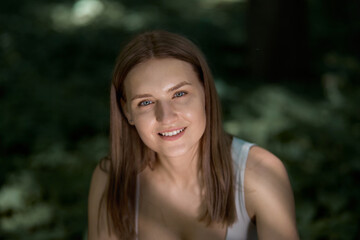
x: 176, y: 87
x: 140, y: 96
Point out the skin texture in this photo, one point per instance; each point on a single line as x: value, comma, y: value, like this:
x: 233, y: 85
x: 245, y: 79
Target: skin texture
x: 154, y: 106
x: 98, y: 185
x: 268, y: 196
x: 163, y: 95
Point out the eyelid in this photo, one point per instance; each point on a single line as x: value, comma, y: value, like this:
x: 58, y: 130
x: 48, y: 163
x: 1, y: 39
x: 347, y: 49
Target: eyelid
x: 145, y: 100
x: 139, y: 104
x: 182, y: 91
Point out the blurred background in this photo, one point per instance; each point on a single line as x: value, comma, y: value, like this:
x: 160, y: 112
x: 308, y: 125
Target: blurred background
x: 287, y: 72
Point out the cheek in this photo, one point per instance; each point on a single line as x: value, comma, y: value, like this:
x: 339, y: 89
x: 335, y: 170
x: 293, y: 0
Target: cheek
x: 144, y: 133
x: 144, y: 124
x: 202, y: 115
x: 196, y: 112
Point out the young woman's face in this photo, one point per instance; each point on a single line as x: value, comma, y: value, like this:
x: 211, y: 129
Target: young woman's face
x: 166, y: 103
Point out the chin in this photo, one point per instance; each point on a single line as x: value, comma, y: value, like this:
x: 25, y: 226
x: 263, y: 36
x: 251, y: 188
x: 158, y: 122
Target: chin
x: 177, y: 151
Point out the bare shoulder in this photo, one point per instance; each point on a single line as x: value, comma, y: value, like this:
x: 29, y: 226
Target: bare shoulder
x: 97, y: 220
x: 98, y: 184
x: 268, y: 195
x: 262, y: 166
x: 99, y: 177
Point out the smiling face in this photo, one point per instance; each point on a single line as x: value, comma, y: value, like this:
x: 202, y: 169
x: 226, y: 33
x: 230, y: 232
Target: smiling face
x: 166, y: 104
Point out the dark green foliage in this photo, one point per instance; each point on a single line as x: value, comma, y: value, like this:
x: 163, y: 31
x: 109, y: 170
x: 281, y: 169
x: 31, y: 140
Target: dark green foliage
x: 55, y: 69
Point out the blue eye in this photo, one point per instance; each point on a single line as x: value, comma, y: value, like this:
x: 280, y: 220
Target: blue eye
x: 179, y: 94
x: 145, y: 103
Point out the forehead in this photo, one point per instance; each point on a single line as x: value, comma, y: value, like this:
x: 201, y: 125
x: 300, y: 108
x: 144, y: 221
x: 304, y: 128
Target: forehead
x: 160, y: 73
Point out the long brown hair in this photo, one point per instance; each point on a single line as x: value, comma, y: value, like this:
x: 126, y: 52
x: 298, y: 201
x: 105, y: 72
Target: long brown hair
x: 129, y: 155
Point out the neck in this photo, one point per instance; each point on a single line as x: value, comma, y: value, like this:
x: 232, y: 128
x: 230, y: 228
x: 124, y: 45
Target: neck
x: 180, y: 172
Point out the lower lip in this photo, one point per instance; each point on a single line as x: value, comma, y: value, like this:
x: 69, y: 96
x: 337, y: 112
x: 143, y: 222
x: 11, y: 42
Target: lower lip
x: 173, y: 138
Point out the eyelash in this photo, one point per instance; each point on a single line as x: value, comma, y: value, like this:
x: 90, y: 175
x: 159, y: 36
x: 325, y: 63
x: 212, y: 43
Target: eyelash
x: 176, y: 95
x: 181, y: 92
x: 142, y: 104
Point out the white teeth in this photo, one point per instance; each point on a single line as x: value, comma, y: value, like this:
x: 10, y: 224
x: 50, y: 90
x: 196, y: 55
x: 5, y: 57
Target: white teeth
x: 173, y: 133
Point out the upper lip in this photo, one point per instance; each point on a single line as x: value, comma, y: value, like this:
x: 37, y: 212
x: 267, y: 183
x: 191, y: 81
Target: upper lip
x: 172, y: 129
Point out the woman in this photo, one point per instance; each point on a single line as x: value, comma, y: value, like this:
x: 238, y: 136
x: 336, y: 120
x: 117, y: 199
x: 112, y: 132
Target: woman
x: 173, y: 173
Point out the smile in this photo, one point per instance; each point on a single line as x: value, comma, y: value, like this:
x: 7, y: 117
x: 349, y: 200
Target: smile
x: 172, y: 133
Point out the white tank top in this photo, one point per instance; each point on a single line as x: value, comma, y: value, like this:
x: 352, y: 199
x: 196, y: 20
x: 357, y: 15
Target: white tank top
x: 243, y: 228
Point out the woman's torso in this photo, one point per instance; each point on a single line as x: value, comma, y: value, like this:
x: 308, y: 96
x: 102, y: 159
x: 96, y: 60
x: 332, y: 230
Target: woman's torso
x: 163, y: 213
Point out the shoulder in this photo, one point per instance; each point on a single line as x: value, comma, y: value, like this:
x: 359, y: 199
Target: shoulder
x: 97, y: 217
x: 263, y: 166
x: 100, y: 173
x: 265, y: 175
x: 268, y: 195
x: 99, y: 181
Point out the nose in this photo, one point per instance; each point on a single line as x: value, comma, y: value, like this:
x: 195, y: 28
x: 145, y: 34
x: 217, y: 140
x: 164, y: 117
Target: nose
x: 165, y: 112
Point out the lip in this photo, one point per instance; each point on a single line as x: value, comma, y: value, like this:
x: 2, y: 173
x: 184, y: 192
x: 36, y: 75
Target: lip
x: 172, y: 138
x: 173, y: 129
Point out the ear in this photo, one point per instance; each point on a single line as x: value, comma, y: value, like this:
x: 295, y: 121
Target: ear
x: 126, y: 111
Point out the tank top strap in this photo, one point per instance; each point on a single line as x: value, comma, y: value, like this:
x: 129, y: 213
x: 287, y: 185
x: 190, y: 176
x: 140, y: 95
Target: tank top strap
x: 243, y: 227
x: 239, y: 151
